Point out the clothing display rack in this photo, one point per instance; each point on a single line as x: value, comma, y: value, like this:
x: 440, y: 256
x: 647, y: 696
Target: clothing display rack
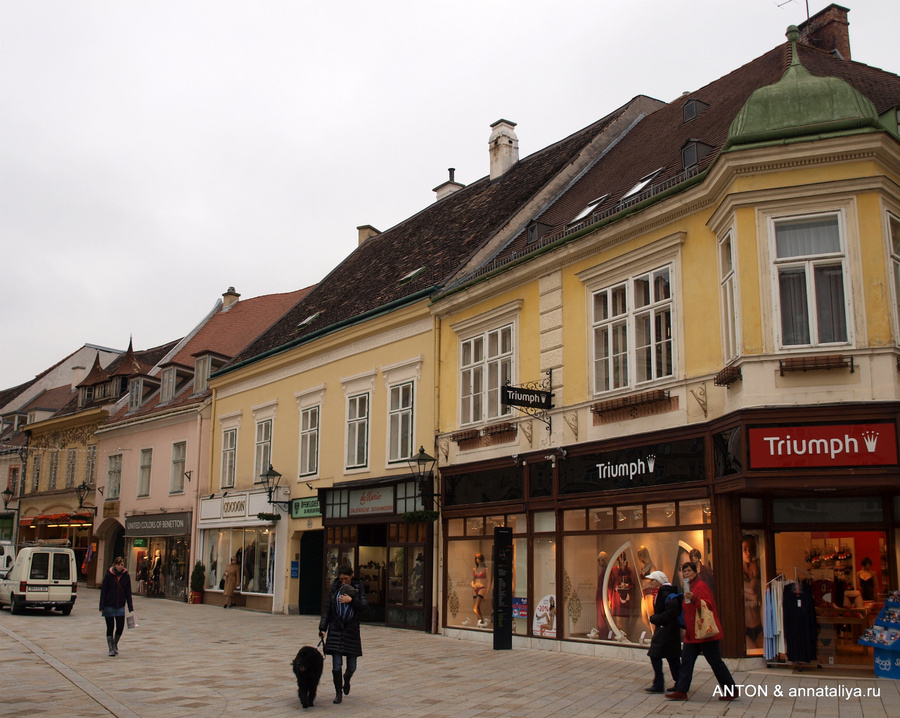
x: 790, y: 628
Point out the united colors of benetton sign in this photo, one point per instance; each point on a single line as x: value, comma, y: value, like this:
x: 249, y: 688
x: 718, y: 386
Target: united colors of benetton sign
x: 784, y: 447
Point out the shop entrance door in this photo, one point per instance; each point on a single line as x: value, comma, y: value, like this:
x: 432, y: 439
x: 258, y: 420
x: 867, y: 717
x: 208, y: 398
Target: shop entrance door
x: 848, y: 574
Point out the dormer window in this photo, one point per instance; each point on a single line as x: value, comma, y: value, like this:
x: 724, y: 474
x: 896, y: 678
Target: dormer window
x: 167, y: 393
x: 692, y: 109
x: 693, y: 153
x: 536, y: 230
x: 201, y: 374
x: 135, y: 393
x: 643, y: 182
x: 590, y: 209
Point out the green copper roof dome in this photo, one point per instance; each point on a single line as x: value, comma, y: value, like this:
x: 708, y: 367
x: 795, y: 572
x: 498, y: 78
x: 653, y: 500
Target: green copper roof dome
x: 801, y: 104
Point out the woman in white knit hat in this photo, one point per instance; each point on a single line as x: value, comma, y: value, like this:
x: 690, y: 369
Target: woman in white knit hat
x: 666, y: 640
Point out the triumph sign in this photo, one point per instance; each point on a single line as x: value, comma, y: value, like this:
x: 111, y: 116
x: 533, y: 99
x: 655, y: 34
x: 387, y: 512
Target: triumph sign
x: 529, y: 398
x: 785, y: 447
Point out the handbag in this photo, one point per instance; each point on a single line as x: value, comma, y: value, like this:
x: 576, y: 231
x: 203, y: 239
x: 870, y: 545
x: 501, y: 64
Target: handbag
x: 131, y: 620
x: 705, y: 623
x: 222, y: 584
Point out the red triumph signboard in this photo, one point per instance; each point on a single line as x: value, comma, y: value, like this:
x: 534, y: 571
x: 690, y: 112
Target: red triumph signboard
x: 781, y: 447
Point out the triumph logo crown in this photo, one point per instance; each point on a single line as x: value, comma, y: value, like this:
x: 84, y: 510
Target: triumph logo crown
x: 871, y: 439
x: 651, y: 460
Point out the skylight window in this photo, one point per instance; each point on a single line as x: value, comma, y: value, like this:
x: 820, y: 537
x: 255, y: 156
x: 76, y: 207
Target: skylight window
x: 309, y: 320
x: 643, y: 182
x: 591, y: 207
x: 412, y: 275
x: 692, y: 108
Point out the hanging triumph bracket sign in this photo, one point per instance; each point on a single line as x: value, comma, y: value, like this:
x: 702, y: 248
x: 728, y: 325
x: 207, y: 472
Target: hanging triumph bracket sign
x: 533, y: 397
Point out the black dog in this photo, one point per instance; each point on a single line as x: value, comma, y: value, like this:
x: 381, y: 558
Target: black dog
x: 308, y: 669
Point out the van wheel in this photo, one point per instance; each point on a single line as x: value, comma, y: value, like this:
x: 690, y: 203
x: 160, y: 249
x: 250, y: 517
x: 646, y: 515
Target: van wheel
x: 66, y: 610
x: 15, y: 607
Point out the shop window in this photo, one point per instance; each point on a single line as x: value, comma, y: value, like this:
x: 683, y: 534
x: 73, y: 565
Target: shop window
x: 810, y: 283
x: 517, y: 523
x: 659, y: 515
x: 602, y: 519
x: 337, y: 504
x: 501, y: 484
x: 694, y: 512
x: 573, y: 520
x: 544, y: 616
x: 475, y: 526
x: 628, y: 517
x: 540, y: 478
x: 456, y: 527
x: 408, y: 498
x: 828, y: 511
x: 492, y: 522
x: 544, y: 521
x: 605, y: 595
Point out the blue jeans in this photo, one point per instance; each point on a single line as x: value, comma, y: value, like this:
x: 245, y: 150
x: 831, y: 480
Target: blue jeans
x: 336, y: 664
x: 711, y: 651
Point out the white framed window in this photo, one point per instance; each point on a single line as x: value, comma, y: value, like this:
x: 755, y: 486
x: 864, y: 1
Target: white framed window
x: 263, y: 448
x: 167, y: 390
x: 113, y: 476
x: 633, y: 331
x: 71, y: 460
x: 309, y: 440
x: 36, y: 473
x: 54, y: 468
x: 357, y: 431
x: 809, y: 280
x: 894, y: 236
x: 143, y: 484
x: 176, y: 478
x: 90, y: 465
x: 486, y: 364
x: 229, y: 456
x: 728, y: 293
x: 201, y: 374
x: 135, y: 393
x: 400, y: 422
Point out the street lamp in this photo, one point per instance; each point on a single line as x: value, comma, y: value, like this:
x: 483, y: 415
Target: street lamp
x: 271, y: 479
x: 7, y: 497
x: 81, y: 491
x: 421, y: 466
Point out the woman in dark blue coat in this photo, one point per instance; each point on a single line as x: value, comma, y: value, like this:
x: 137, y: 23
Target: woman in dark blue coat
x: 115, y: 595
x: 666, y: 641
x: 339, y: 624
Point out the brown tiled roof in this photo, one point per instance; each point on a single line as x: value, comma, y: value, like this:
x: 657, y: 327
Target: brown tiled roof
x: 51, y: 399
x: 97, y: 374
x: 657, y: 141
x: 235, y: 326
x: 438, y: 240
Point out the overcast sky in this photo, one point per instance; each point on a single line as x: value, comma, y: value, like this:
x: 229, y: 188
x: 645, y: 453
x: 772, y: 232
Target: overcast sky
x: 154, y: 153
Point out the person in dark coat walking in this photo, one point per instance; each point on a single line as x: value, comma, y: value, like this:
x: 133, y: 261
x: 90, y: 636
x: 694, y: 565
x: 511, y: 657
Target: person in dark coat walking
x: 115, y: 594
x: 666, y: 640
x: 341, y: 614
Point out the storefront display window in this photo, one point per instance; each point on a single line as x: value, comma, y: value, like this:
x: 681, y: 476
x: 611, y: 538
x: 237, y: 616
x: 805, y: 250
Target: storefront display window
x: 545, y: 595
x: 254, y: 549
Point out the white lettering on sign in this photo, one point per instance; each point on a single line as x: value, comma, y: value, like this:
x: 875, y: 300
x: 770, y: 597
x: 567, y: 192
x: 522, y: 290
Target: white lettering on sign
x: 629, y: 468
x: 786, y: 446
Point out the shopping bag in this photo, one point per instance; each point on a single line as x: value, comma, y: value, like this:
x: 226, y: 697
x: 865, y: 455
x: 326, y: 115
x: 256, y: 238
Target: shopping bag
x: 131, y: 620
x: 705, y: 623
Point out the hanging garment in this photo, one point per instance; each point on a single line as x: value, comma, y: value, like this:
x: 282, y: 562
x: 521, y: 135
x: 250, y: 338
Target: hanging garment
x: 800, y: 627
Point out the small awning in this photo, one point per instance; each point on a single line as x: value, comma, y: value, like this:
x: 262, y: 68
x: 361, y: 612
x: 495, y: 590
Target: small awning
x: 51, y: 518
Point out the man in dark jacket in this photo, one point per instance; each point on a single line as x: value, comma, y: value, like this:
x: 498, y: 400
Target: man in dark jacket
x: 666, y: 641
x: 341, y: 614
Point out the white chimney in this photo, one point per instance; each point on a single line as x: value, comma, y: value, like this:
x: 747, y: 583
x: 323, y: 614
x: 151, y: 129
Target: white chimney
x: 230, y: 297
x: 366, y: 231
x: 448, y: 187
x: 504, y: 147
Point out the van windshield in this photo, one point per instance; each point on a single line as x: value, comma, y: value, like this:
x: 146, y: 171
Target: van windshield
x: 40, y: 566
x: 61, y: 567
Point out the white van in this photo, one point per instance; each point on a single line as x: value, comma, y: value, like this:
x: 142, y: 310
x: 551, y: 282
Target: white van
x: 7, y: 557
x: 42, y: 577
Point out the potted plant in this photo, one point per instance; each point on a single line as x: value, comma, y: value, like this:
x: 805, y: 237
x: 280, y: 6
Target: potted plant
x: 198, y: 579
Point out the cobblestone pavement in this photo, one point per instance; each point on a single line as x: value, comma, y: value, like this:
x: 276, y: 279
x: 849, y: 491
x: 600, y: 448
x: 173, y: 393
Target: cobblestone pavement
x: 205, y: 661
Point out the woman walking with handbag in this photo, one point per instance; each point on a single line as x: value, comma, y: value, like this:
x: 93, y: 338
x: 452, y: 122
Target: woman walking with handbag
x: 115, y: 594
x: 340, y: 620
x: 701, y: 636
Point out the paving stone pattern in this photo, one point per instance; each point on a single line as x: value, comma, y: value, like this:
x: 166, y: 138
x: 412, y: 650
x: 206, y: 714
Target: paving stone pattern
x: 206, y: 661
